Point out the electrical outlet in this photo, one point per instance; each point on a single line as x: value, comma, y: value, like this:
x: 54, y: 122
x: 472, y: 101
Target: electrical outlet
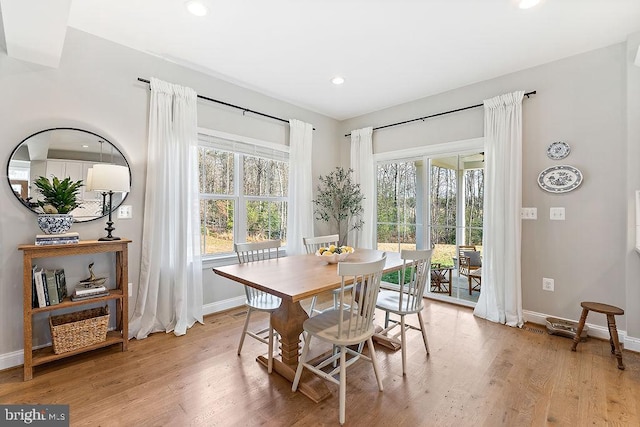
x: 556, y: 214
x: 130, y: 289
x: 529, y: 213
x: 125, y: 212
x: 548, y: 284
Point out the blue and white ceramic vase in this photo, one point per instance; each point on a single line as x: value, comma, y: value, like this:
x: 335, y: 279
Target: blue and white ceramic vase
x: 55, y: 223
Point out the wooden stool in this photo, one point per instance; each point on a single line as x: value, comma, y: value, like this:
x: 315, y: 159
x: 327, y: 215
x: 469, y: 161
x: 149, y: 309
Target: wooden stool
x: 610, y: 311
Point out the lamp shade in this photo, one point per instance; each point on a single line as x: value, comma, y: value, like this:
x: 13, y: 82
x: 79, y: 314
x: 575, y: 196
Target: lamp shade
x: 89, y: 181
x: 109, y: 178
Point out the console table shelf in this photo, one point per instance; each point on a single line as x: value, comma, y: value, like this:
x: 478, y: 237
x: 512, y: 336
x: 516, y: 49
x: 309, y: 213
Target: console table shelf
x: 119, y: 294
x: 113, y: 294
x: 45, y: 354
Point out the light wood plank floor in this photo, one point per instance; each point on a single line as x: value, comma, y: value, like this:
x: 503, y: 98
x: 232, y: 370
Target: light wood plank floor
x: 478, y: 374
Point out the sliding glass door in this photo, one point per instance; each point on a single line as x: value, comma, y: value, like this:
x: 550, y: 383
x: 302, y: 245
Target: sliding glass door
x: 434, y: 202
x: 456, y: 192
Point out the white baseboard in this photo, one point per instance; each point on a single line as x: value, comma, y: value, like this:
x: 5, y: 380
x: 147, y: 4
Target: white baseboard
x: 16, y: 358
x: 631, y: 343
x: 11, y: 360
x: 223, y: 305
x: 596, y: 331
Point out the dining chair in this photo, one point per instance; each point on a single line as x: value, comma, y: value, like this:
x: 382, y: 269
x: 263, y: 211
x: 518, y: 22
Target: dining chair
x: 345, y: 328
x: 407, y: 299
x: 259, y: 300
x: 312, y: 244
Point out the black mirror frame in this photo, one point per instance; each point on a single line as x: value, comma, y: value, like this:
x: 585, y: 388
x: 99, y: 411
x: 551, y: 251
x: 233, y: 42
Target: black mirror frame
x: 25, y: 203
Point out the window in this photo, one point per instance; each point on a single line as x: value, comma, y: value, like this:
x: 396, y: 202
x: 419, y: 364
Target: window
x: 432, y: 200
x: 243, y: 192
x: 397, y: 205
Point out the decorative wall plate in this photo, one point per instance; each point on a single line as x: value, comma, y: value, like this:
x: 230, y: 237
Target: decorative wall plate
x: 560, y: 179
x: 558, y: 150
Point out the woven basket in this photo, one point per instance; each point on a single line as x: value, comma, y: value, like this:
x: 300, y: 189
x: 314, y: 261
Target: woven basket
x: 80, y: 329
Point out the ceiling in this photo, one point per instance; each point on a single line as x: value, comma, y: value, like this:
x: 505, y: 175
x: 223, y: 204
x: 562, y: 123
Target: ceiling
x: 388, y: 51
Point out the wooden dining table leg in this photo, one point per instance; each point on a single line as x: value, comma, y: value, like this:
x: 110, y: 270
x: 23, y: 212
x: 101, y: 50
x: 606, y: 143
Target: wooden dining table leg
x: 287, y: 320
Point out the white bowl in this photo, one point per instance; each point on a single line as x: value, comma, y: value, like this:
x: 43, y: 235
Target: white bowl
x: 334, y: 258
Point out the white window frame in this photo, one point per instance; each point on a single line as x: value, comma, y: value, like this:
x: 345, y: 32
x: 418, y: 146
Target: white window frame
x: 424, y: 153
x: 239, y: 199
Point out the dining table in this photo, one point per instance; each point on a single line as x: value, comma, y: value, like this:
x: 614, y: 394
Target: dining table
x: 296, y: 278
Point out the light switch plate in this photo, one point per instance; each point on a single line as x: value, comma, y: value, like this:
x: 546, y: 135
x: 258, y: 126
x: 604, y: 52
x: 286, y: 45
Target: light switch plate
x: 529, y: 213
x: 125, y: 212
x: 556, y: 214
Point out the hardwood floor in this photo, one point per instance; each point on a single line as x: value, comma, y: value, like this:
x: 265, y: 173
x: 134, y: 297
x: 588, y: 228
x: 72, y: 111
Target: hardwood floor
x: 478, y: 373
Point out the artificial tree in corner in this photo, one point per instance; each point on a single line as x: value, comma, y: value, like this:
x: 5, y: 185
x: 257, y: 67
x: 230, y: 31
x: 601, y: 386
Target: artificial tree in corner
x: 339, y: 203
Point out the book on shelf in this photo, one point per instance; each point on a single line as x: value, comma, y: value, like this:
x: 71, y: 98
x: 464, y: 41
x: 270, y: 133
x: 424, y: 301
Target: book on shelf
x: 56, y: 242
x: 60, y: 236
x: 34, y: 291
x: 57, y: 239
x: 39, y: 285
x: 52, y: 288
x: 92, y: 295
x: 61, y: 283
x: 44, y: 287
x: 85, y: 289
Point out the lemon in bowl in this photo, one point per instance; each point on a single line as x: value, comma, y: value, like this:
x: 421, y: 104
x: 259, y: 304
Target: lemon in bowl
x: 334, y: 254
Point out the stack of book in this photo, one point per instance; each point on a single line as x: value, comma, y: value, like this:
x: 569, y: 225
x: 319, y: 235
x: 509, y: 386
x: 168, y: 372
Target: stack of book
x: 84, y: 291
x: 57, y: 239
x: 49, y: 287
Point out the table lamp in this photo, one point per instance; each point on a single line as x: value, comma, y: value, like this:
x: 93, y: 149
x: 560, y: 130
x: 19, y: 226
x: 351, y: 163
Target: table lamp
x: 109, y: 179
x: 89, y: 187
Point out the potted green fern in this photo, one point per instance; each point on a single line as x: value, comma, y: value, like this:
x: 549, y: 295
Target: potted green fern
x: 60, y: 197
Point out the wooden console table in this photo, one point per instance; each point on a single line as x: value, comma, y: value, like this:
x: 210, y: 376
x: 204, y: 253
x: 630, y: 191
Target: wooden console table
x: 119, y: 294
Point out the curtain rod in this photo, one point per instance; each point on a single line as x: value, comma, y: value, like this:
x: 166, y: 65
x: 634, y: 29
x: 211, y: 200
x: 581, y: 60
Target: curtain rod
x: 438, y: 114
x: 244, y: 110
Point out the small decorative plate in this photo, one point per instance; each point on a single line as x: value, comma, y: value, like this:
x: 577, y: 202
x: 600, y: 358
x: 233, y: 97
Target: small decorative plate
x: 558, y: 150
x: 560, y: 179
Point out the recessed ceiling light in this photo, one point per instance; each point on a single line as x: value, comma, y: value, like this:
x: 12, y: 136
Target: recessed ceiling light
x: 337, y: 80
x: 85, y: 146
x: 527, y: 4
x: 196, y: 8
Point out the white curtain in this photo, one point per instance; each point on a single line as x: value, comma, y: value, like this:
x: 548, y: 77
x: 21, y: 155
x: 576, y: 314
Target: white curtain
x: 501, y: 295
x: 362, y: 165
x: 170, y: 294
x: 300, y: 214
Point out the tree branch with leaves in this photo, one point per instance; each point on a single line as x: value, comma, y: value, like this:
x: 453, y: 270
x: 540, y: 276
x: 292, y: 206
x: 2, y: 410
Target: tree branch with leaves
x: 339, y: 202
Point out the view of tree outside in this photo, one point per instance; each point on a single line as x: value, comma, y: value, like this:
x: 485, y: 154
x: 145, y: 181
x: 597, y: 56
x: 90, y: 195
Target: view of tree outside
x: 444, y: 211
x: 262, y: 192
x: 396, y: 208
x: 396, y: 211
x: 443, y: 207
x: 474, y: 205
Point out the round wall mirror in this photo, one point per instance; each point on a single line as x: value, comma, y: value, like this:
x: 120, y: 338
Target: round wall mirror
x: 64, y: 152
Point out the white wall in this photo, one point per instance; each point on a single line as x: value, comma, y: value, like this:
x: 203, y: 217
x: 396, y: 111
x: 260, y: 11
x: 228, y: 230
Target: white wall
x: 633, y: 183
x: 95, y: 88
x: 581, y: 100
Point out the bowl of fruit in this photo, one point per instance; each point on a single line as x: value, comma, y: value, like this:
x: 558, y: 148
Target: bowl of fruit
x: 334, y: 254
